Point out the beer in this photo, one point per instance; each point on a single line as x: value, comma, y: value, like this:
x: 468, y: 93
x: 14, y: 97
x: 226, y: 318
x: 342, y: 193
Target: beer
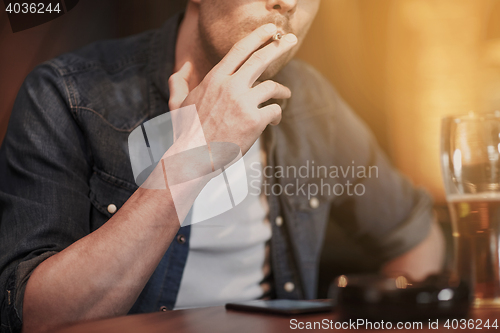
x: 476, y: 234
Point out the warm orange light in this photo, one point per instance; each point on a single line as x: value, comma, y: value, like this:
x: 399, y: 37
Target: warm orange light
x: 401, y: 282
x: 342, y: 281
x: 404, y: 64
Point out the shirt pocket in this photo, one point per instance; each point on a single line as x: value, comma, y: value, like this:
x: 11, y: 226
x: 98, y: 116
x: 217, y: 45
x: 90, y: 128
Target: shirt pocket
x: 108, y: 193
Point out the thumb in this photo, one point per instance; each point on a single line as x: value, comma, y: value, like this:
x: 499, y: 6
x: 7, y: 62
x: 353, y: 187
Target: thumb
x: 178, y: 86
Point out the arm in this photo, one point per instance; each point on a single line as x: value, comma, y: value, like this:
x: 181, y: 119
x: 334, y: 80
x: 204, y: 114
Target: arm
x: 102, y: 273
x: 424, y: 259
x: 85, y: 275
x: 393, y: 221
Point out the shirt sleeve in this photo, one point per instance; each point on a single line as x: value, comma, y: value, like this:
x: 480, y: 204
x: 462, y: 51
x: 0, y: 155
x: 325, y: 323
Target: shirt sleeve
x: 44, y: 203
x: 391, y: 216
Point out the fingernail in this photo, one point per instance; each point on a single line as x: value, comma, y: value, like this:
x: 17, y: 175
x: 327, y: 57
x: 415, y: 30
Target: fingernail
x: 270, y: 28
x: 291, y: 38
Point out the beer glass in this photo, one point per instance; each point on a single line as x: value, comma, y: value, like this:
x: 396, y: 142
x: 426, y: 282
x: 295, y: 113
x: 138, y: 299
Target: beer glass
x: 470, y: 158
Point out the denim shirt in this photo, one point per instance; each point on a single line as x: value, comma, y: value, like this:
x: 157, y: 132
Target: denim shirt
x: 65, y: 159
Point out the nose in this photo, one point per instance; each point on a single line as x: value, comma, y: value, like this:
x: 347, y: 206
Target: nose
x: 282, y: 6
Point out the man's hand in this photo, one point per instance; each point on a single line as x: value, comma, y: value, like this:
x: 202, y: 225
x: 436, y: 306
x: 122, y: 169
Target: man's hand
x: 227, y: 102
x: 423, y: 260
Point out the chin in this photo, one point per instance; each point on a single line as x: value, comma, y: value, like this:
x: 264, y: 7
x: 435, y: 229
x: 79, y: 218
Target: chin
x: 275, y: 67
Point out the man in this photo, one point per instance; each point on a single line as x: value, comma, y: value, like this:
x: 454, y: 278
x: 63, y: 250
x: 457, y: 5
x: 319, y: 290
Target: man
x: 80, y: 241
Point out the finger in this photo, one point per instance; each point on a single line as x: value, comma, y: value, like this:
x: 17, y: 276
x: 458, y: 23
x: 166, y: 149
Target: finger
x: 244, y: 48
x: 261, y: 59
x: 178, y: 86
x: 267, y: 90
x: 271, y: 114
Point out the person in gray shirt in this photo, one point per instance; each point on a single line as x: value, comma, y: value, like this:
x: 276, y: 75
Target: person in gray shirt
x: 79, y: 240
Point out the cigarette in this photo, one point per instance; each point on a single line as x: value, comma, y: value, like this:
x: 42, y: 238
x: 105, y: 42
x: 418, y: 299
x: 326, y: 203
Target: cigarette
x: 278, y: 36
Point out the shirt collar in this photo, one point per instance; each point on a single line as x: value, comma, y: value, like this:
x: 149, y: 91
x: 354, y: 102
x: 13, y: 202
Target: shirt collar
x: 163, y: 53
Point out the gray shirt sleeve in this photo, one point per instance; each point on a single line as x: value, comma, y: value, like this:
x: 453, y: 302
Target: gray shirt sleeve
x: 388, y: 216
x: 392, y: 216
x: 44, y: 203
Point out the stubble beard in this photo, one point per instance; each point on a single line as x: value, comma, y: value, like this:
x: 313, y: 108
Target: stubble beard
x: 214, y: 55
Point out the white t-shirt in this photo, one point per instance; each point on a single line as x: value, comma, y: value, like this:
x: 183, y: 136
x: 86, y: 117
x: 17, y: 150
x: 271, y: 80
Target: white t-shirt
x: 229, y: 254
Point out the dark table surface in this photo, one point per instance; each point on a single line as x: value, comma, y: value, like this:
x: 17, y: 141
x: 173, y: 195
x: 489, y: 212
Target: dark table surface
x: 218, y: 319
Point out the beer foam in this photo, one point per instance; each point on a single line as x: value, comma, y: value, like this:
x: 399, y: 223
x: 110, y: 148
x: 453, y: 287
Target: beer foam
x: 483, y: 196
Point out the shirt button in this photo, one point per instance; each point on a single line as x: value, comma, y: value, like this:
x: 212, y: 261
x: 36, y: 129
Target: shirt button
x: 163, y: 308
x: 181, y: 239
x: 289, y: 287
x: 279, y: 221
x: 314, y: 203
x: 111, y: 208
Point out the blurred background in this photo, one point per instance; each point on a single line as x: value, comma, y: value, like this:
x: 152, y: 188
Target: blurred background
x: 400, y: 64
